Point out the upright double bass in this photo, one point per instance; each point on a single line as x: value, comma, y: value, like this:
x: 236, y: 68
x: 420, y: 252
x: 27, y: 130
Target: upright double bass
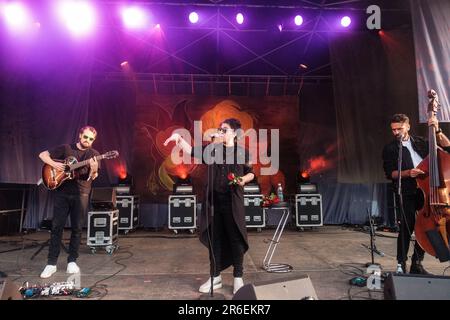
x: 432, y: 228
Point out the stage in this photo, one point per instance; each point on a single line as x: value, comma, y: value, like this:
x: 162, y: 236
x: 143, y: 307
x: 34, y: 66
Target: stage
x: 162, y: 265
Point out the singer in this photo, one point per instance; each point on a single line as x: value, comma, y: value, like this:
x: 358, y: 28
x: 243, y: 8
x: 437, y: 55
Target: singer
x: 222, y: 222
x: 414, y: 150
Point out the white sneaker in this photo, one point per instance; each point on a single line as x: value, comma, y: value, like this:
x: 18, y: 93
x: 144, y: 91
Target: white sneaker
x: 48, y: 271
x: 72, y: 268
x: 206, y: 287
x: 238, y: 283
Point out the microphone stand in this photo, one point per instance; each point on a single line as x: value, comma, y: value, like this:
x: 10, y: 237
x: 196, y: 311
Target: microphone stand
x: 399, y: 191
x: 373, y: 247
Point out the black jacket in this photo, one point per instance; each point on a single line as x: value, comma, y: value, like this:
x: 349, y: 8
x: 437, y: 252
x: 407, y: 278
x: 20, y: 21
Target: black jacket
x: 390, y: 161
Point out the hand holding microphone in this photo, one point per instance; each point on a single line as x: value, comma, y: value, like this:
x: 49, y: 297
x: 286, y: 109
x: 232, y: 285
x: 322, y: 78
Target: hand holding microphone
x: 215, y: 136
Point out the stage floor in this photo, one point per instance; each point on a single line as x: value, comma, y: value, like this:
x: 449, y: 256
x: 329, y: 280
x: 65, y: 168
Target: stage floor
x: 164, y: 265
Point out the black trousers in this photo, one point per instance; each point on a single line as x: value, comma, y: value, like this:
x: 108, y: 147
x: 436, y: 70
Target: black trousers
x: 406, y: 223
x: 76, y: 207
x: 226, y: 235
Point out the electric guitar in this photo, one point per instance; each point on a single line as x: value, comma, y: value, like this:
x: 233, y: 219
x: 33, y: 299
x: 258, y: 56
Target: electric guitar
x: 54, y: 178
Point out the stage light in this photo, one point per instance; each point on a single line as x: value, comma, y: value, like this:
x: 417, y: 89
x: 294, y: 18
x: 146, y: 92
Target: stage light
x: 16, y: 16
x: 183, y: 185
x: 381, y: 33
x: 79, y: 17
x: 158, y: 26
x: 193, y: 17
x: 346, y: 21
x: 280, y: 27
x: 304, y: 177
x: 240, y: 18
x: 134, y: 18
x: 124, y: 64
x: 298, y: 20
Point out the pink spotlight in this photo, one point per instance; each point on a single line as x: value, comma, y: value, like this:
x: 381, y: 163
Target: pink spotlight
x: 16, y: 16
x: 79, y: 17
x: 298, y: 20
x: 124, y: 64
x: 280, y: 27
x: 193, y: 17
x: 158, y: 26
x: 346, y: 21
x: 240, y: 18
x: 134, y: 18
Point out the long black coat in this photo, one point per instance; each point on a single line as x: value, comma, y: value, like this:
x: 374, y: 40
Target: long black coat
x: 237, y: 205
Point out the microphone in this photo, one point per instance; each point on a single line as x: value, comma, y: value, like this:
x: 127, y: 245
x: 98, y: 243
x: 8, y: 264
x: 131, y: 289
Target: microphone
x: 215, y: 135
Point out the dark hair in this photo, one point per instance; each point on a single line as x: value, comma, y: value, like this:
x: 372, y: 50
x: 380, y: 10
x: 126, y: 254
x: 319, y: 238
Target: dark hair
x: 233, y: 123
x: 90, y: 128
x: 399, y: 118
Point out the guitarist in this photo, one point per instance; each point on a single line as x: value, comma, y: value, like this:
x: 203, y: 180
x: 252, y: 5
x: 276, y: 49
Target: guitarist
x: 71, y: 198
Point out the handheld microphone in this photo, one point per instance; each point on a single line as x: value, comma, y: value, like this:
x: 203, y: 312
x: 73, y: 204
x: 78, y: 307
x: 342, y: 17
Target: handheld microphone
x: 214, y: 135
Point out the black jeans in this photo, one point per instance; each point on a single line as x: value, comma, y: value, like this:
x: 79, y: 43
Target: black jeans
x: 406, y: 224
x: 226, y: 230
x: 67, y: 204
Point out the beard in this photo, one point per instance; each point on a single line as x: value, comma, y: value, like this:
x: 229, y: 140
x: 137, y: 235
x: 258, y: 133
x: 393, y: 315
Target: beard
x: 85, y: 144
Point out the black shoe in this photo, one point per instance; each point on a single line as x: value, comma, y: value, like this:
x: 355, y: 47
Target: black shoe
x: 417, y: 268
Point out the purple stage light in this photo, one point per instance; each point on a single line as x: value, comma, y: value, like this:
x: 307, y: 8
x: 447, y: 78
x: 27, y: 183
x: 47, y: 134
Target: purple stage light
x: 158, y: 26
x: 345, y: 21
x: 16, y: 16
x: 79, y: 17
x: 240, y: 18
x: 280, y: 27
x: 193, y: 17
x: 124, y: 64
x: 298, y: 20
x: 134, y: 18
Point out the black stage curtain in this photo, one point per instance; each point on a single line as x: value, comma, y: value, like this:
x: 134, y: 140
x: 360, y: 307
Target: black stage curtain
x: 373, y: 78
x: 431, y: 27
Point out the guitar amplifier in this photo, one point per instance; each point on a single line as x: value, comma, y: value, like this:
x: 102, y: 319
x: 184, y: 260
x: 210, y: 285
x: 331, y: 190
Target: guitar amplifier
x: 254, y: 213
x: 182, y: 212
x: 308, y: 210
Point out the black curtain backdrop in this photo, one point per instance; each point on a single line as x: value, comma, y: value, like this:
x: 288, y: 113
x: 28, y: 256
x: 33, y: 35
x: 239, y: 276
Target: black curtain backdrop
x: 431, y: 27
x: 373, y: 78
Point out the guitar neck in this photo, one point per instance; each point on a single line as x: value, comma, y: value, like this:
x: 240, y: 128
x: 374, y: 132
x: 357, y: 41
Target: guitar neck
x: 83, y: 163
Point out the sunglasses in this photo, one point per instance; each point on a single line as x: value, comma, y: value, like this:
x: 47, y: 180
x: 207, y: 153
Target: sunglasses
x: 88, y: 138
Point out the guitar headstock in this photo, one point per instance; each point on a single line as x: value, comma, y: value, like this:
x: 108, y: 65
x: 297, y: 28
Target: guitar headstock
x: 110, y: 154
x: 433, y: 104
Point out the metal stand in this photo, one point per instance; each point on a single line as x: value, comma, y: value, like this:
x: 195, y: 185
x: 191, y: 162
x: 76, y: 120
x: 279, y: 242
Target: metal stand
x: 267, y: 264
x: 373, y: 248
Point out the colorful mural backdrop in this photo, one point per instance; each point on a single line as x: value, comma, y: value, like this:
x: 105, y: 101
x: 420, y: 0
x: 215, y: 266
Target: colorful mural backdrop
x: 158, y: 116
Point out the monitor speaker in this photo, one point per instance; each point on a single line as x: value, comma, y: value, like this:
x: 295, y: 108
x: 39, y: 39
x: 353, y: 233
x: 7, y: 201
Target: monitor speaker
x: 291, y: 288
x: 416, y: 287
x: 8, y: 290
x: 103, y: 199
